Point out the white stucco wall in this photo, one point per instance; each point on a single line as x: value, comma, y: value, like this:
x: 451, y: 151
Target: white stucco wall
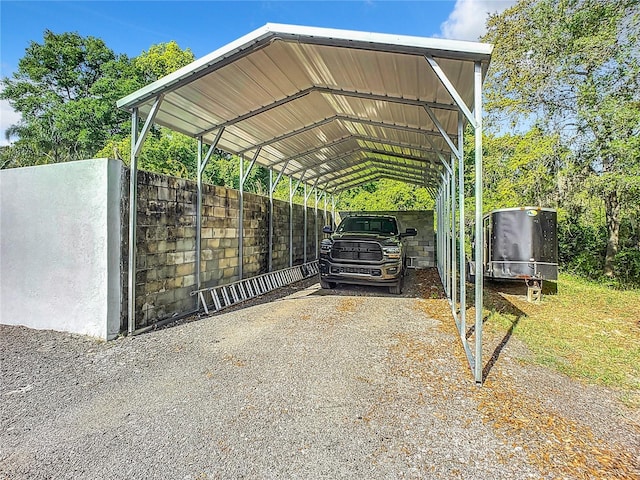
x: 60, y: 247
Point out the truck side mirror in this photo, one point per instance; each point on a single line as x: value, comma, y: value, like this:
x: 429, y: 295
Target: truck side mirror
x: 327, y: 229
x: 410, y: 232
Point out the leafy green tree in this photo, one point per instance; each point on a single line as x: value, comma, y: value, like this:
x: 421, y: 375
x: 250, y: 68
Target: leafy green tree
x: 385, y: 195
x: 572, y: 69
x: 521, y: 169
x: 65, y: 89
x: 160, y: 60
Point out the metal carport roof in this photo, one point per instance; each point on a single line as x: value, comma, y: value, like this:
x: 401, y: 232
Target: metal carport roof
x: 330, y: 107
x: 334, y: 109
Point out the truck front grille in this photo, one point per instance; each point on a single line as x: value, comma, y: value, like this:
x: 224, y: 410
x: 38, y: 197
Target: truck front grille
x: 350, y: 250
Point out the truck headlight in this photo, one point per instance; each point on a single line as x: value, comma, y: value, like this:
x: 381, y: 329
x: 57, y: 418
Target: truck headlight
x: 391, y: 251
x: 325, y: 247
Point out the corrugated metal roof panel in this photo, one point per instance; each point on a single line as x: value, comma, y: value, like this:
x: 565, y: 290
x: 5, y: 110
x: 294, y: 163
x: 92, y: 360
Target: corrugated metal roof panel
x: 337, y: 105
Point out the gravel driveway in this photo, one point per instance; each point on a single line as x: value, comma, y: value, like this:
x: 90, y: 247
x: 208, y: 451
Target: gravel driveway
x: 350, y: 383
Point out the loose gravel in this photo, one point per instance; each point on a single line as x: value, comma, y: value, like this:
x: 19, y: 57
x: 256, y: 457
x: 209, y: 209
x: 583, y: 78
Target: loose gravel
x: 345, y: 383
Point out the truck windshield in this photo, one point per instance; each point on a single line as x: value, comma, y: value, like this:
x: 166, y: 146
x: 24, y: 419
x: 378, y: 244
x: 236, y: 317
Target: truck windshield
x: 380, y: 225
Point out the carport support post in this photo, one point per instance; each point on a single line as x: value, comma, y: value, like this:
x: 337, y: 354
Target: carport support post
x: 136, y: 145
x: 439, y: 233
x: 133, y: 214
x: 479, y: 240
x: 454, y: 266
x: 316, y: 224
x: 325, y: 209
x: 333, y: 210
x: 291, y: 221
x: 199, y: 222
x: 292, y: 192
x: 304, y: 228
x: 270, y: 219
x: 243, y: 179
x: 447, y: 233
x: 241, y: 219
x: 202, y: 163
x: 461, y: 229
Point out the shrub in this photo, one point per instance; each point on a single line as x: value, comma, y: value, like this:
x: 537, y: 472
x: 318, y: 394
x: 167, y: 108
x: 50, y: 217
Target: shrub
x: 627, y: 266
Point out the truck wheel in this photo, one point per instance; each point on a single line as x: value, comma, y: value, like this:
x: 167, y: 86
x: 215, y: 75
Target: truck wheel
x: 396, y: 289
x: 327, y: 285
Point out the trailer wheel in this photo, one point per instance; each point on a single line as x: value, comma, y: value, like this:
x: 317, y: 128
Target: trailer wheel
x: 471, y: 278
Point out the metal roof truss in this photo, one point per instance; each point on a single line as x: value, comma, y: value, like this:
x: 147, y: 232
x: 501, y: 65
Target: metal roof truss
x: 331, y: 110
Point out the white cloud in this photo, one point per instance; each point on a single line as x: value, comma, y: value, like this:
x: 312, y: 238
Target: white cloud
x: 468, y: 19
x: 8, y: 117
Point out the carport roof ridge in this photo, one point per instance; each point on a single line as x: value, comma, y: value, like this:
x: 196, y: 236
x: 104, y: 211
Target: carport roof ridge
x: 316, y: 102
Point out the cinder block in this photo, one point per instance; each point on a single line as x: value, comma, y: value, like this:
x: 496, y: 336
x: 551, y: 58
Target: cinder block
x: 175, y: 258
x: 175, y: 282
x: 188, y: 208
x: 230, y: 233
x: 232, y: 194
x: 212, y: 243
x: 185, y: 269
x: 165, y: 298
x: 186, y: 244
x: 153, y: 287
x: 186, y: 196
x: 230, y: 274
x: 166, y: 194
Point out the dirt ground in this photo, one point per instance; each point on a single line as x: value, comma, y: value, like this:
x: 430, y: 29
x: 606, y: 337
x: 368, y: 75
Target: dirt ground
x: 303, y: 383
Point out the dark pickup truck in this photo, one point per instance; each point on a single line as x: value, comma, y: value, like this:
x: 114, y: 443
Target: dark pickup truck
x: 364, y: 250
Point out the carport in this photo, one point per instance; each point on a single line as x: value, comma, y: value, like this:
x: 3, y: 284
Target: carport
x: 332, y: 110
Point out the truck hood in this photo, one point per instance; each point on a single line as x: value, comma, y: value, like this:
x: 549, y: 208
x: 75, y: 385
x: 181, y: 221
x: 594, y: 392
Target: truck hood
x: 384, y: 239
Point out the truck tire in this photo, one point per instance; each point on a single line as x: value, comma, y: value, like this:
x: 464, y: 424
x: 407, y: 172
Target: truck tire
x: 327, y: 285
x: 396, y: 289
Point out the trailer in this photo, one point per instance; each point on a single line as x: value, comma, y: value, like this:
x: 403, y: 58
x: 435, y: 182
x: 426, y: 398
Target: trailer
x: 520, y: 243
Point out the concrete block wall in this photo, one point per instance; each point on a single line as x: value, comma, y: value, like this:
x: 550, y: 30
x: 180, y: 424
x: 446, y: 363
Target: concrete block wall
x: 280, y: 256
x: 421, y: 248
x: 166, y: 263
x: 220, y: 241
x: 166, y: 239
x: 298, y: 234
x: 64, y: 251
x: 256, y: 235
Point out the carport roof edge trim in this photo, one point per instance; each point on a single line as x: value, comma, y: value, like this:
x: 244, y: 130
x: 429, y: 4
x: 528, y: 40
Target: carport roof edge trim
x: 439, y: 47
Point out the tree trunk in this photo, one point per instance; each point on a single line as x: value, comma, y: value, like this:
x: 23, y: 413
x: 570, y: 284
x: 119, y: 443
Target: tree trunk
x: 612, y: 212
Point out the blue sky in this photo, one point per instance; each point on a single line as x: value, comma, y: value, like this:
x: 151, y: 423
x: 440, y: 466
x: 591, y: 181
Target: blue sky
x: 203, y: 26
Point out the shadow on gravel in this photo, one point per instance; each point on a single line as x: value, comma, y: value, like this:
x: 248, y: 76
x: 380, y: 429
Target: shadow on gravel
x: 496, y: 302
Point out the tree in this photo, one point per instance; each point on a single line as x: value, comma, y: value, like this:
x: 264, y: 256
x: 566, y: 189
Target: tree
x: 386, y: 195
x: 161, y: 59
x: 572, y: 69
x: 520, y: 169
x: 65, y: 89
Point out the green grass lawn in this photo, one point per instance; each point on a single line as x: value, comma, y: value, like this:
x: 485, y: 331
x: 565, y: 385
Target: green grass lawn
x: 587, y: 331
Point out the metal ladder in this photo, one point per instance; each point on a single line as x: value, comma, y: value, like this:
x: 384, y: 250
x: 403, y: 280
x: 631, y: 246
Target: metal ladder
x: 223, y: 296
